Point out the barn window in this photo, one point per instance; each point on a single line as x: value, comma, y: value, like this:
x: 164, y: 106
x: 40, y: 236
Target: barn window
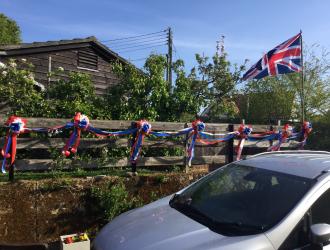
x: 87, y: 59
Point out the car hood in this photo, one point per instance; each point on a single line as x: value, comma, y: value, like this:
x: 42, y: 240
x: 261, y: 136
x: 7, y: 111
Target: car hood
x: 158, y: 226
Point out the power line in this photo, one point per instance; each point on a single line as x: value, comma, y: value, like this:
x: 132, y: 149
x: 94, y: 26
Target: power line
x: 144, y: 58
x: 139, y: 59
x: 141, y: 45
x: 176, y: 52
x: 138, y: 42
x: 142, y: 48
x: 142, y: 39
x: 129, y: 37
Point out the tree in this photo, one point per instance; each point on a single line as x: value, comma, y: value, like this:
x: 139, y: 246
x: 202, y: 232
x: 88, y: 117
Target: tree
x: 147, y: 95
x: 267, y: 100
x: 65, y: 97
x: 10, y: 32
x: 18, y: 92
x: 139, y: 94
x: 221, y: 79
x: 316, y: 83
x: 279, y: 97
x: 188, y: 95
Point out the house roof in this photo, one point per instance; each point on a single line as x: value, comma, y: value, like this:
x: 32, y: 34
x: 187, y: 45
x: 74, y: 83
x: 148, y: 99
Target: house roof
x: 38, y: 47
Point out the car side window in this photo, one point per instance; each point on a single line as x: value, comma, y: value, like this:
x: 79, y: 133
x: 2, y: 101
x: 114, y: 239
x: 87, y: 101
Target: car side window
x: 299, y: 238
x: 321, y: 209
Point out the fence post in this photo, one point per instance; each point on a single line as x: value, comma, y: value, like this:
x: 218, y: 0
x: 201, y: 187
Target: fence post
x: 132, y: 141
x: 186, y: 146
x: 230, y: 145
x: 271, y: 142
x: 11, y: 169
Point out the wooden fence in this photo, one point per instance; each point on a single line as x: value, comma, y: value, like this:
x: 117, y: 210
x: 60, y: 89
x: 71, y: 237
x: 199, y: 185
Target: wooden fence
x: 217, y: 154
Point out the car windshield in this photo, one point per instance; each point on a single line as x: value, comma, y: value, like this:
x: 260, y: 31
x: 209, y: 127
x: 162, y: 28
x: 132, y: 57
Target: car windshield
x: 241, y: 200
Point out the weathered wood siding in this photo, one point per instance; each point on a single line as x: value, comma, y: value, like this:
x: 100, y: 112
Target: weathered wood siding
x: 102, y: 78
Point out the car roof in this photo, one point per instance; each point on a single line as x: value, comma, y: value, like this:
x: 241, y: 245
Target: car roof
x: 303, y: 163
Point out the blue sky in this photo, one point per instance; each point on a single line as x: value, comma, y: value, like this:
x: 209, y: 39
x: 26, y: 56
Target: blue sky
x: 250, y: 27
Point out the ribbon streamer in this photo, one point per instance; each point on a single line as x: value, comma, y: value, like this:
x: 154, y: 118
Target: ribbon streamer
x: 244, y: 132
x: 104, y: 133
x: 195, y: 133
x: 80, y: 123
x: 197, y: 126
x: 306, y: 129
x: 283, y: 136
x: 143, y: 129
x: 16, y: 126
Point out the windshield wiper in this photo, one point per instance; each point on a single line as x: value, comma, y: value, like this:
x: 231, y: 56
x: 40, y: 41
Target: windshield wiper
x: 183, y: 204
x: 238, y: 225
x: 180, y: 200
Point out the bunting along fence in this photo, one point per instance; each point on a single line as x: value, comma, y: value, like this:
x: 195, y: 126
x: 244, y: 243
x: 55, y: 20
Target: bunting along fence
x: 202, y: 144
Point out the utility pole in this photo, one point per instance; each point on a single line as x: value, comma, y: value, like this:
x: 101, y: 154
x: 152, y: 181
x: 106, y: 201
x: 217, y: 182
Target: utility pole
x: 169, y: 57
x: 302, y: 81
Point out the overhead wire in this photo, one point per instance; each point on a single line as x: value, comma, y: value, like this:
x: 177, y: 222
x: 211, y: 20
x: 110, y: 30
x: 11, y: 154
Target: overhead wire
x: 130, y: 37
x: 136, y: 43
x: 138, y: 59
x: 141, y: 45
x: 176, y: 52
x: 124, y: 51
x: 143, y: 39
x: 144, y: 58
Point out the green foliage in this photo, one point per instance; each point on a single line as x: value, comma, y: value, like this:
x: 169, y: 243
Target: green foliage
x: 114, y: 199
x: 280, y: 97
x: 220, y: 78
x: 316, y: 82
x: 319, y: 139
x: 10, y: 32
x: 18, y: 91
x: 161, y: 179
x: 267, y: 100
x: 73, y: 95
x: 147, y: 95
x: 139, y: 94
x: 187, y: 97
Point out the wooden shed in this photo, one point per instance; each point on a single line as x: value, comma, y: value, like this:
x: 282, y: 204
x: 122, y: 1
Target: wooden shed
x: 86, y: 55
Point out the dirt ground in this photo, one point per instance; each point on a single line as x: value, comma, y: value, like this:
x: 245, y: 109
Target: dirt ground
x: 41, y: 211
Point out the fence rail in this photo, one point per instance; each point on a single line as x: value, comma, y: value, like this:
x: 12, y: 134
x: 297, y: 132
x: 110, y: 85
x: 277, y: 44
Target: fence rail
x: 217, y: 154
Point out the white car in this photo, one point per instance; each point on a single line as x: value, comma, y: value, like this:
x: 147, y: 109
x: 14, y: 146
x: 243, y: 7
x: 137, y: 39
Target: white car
x: 278, y: 200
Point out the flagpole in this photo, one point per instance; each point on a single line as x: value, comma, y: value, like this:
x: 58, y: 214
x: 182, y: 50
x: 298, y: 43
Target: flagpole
x: 302, y: 81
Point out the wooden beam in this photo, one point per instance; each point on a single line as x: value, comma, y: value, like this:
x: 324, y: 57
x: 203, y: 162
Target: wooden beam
x: 48, y: 164
x: 87, y: 143
x: 115, y: 124
x: 35, y: 143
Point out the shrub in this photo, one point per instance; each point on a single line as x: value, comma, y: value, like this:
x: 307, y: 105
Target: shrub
x: 114, y: 199
x: 18, y: 90
x: 77, y: 93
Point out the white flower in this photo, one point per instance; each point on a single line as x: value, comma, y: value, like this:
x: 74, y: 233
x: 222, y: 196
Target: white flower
x: 4, y: 73
x: 60, y: 69
x: 2, y: 65
x: 23, y: 60
x: 12, y: 64
x: 31, y: 77
x: 41, y: 86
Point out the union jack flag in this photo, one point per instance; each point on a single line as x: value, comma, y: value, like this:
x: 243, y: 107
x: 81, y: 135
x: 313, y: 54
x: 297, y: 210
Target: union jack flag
x: 283, y: 59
